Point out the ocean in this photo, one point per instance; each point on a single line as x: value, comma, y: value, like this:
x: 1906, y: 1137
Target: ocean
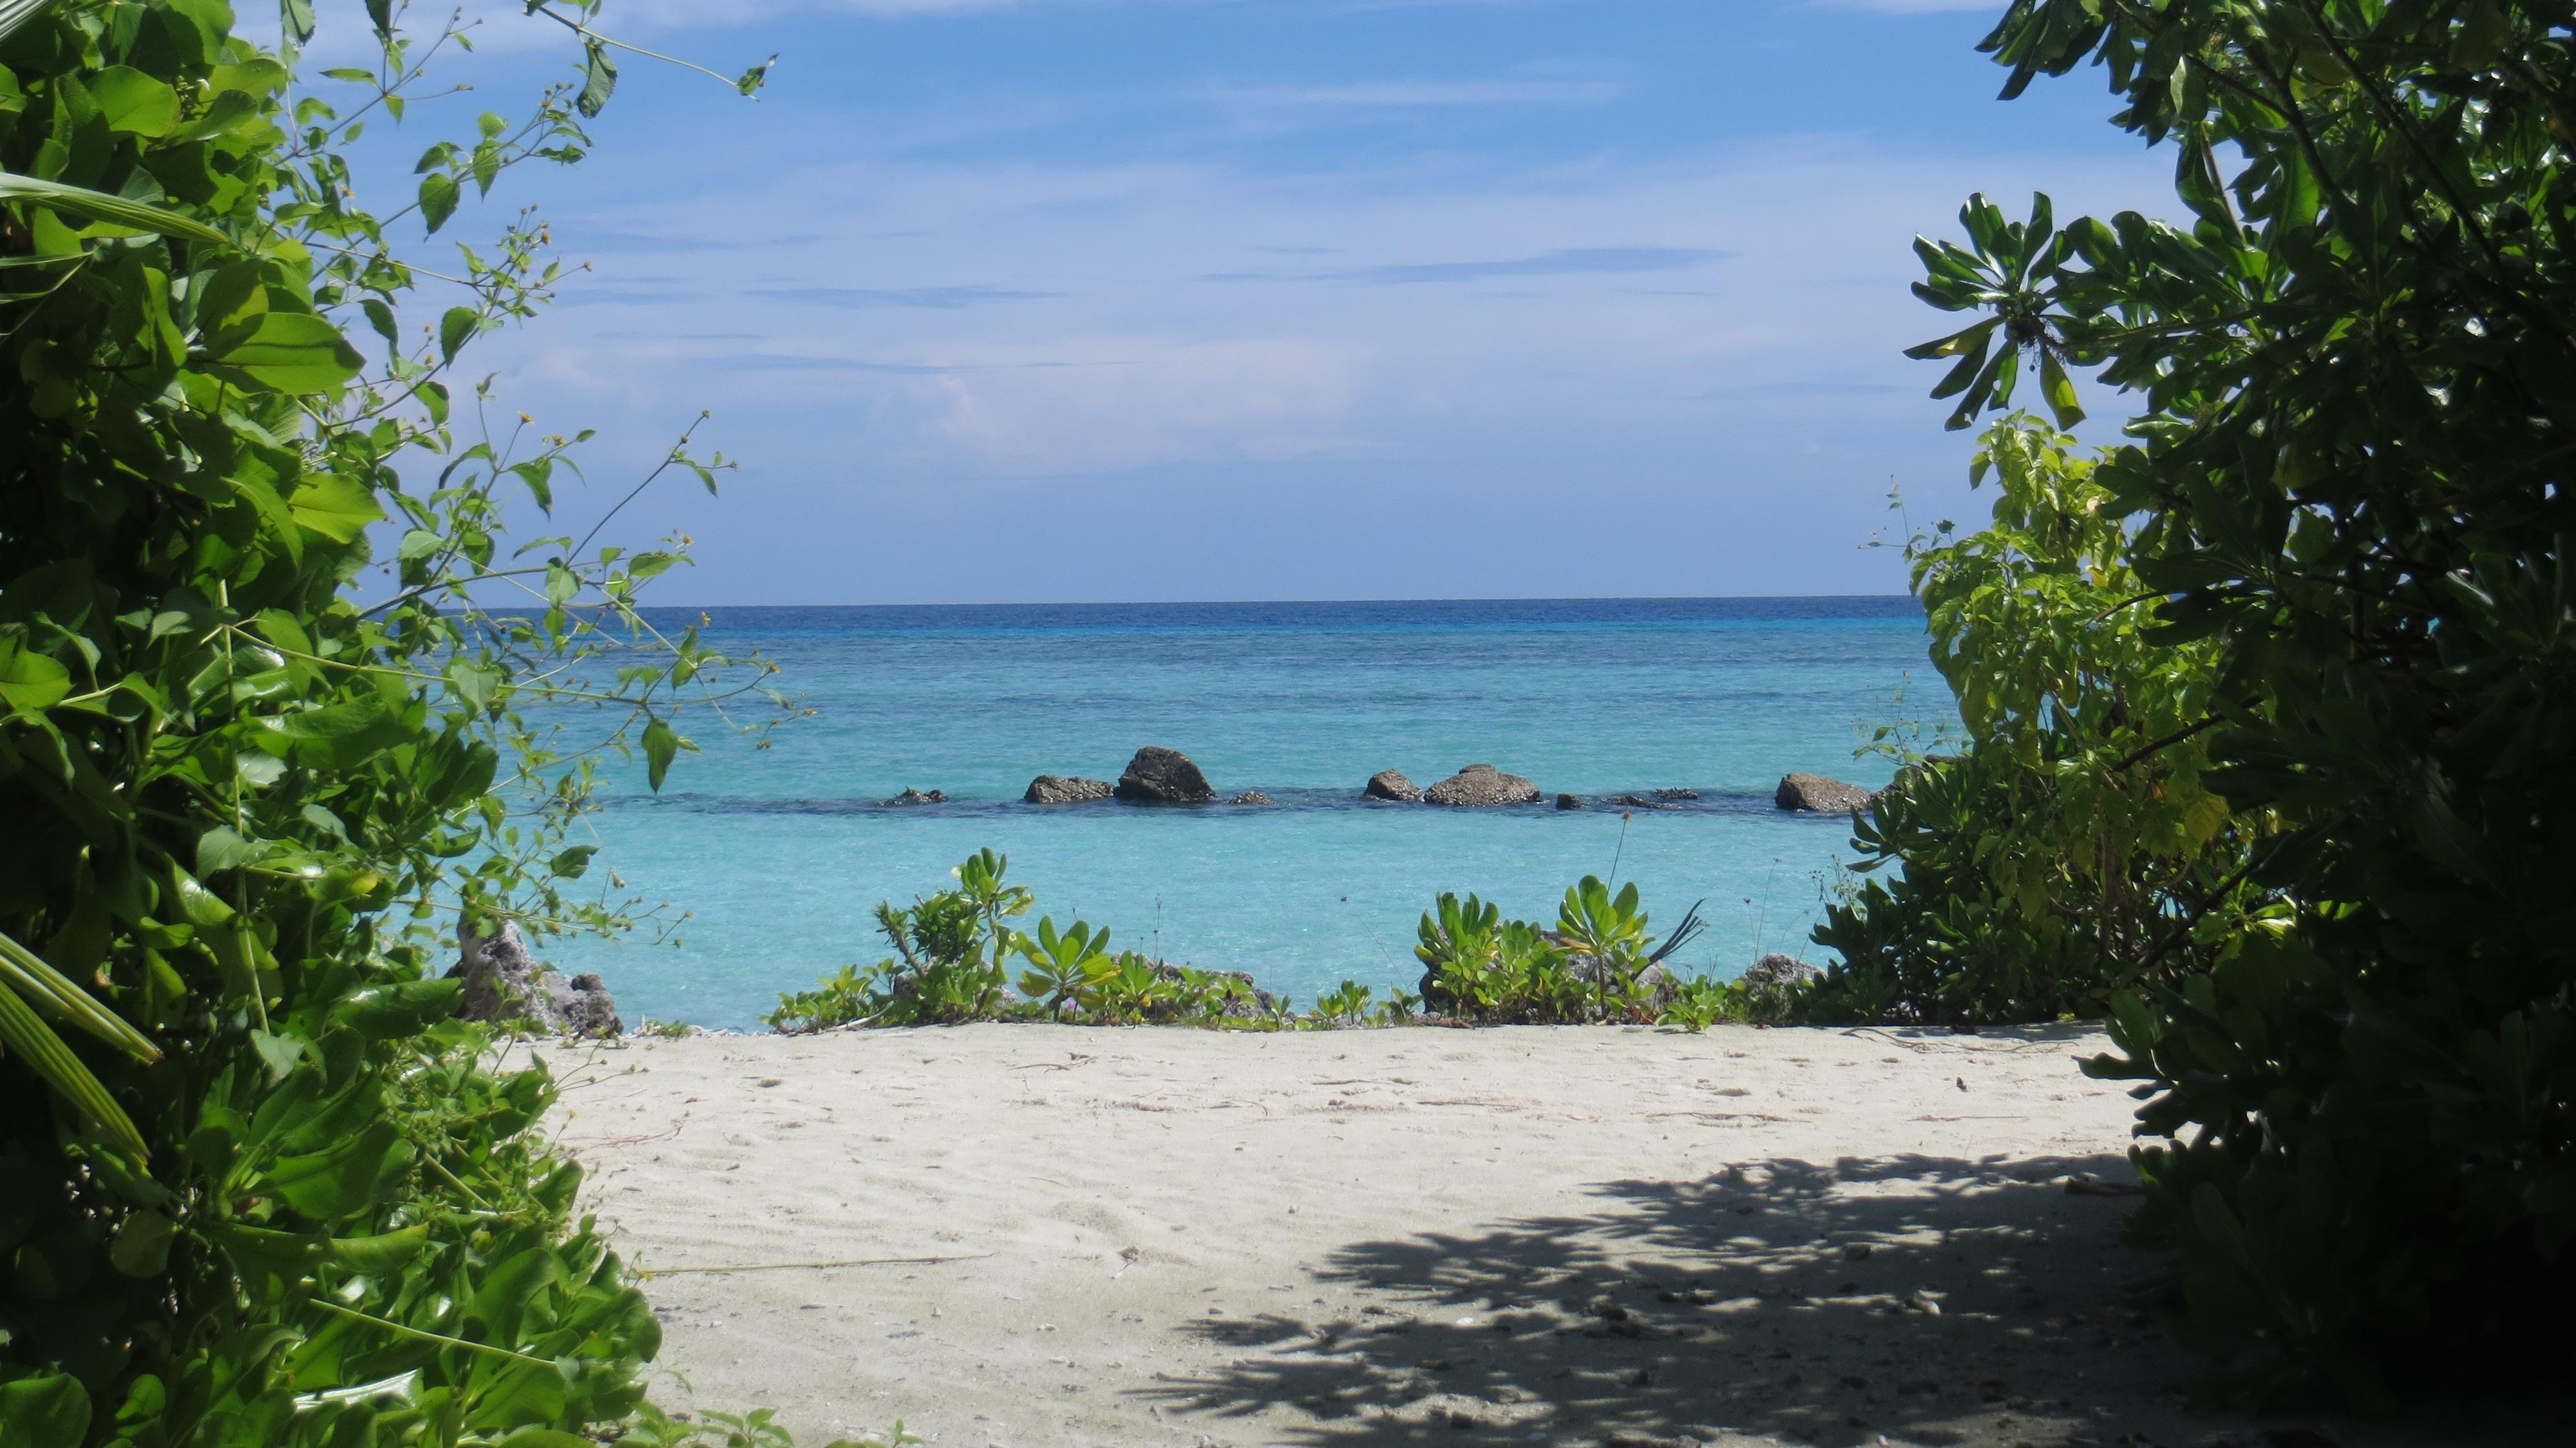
x: 777, y: 855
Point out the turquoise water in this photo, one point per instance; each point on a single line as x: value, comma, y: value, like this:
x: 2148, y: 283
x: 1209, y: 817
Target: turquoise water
x: 779, y: 854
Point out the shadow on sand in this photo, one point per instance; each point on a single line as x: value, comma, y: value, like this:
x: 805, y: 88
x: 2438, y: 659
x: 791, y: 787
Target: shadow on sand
x: 1921, y: 1300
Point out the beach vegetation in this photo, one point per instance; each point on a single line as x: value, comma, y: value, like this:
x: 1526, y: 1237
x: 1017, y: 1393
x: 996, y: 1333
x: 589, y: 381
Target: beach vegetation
x: 269, y: 738
x: 2071, y: 846
x: 2343, y: 495
x: 1068, y: 969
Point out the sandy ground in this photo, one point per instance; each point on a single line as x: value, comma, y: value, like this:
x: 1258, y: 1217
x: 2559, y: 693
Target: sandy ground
x: 1566, y: 1236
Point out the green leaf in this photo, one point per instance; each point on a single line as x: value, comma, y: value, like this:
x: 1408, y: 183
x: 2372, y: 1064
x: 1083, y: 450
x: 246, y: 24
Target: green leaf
x: 334, y: 505
x: 339, y: 1179
x: 90, y: 205
x: 661, y: 744
x: 46, y: 1411
x: 384, y: 1252
x: 53, y: 991
x: 132, y: 102
x: 41, y: 1051
x: 598, y: 79
x: 453, y: 330
x: 221, y: 849
x: 142, y: 1245
x: 30, y: 680
x: 293, y: 352
x: 438, y: 194
x: 335, y: 736
x: 2059, y: 390
x: 401, y: 1009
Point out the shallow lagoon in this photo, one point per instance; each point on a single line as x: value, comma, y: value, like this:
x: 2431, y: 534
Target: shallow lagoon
x: 780, y: 853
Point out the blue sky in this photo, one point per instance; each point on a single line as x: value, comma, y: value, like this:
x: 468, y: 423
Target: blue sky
x: 1271, y: 299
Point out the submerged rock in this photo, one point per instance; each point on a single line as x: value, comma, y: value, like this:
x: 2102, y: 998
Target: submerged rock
x: 1391, y: 784
x: 914, y: 796
x: 1569, y: 801
x: 504, y: 984
x: 1816, y: 793
x: 1067, y: 789
x: 1163, y: 776
x: 1676, y: 794
x: 1250, y: 796
x: 1481, y: 785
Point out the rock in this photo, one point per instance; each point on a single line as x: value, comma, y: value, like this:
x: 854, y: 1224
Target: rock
x: 1773, y: 972
x: 1815, y: 793
x: 1637, y: 801
x: 1250, y: 796
x: 585, y: 1005
x: 1480, y: 785
x: 1676, y: 794
x: 1067, y: 789
x: 1569, y: 801
x: 503, y: 983
x: 1163, y: 776
x: 1391, y: 784
x: 914, y: 796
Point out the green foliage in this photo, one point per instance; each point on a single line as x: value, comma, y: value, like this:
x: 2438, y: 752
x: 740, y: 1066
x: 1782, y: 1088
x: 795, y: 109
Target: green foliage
x: 255, y: 1186
x: 2073, y: 848
x: 758, y: 1428
x: 2349, y: 482
x: 1069, y: 969
x: 1598, y: 964
x: 1347, y: 1006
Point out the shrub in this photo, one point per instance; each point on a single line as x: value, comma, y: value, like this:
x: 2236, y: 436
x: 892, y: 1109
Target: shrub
x: 256, y: 1186
x: 2072, y: 848
x: 1598, y: 964
x: 2349, y: 480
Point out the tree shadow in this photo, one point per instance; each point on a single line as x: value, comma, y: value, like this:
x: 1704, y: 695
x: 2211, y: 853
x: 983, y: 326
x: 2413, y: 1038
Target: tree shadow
x: 1915, y: 1299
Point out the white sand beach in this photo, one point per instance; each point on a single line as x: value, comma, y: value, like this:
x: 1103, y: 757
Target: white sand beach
x: 1566, y: 1236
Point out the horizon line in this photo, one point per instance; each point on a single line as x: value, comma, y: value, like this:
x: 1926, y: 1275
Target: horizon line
x: 1259, y: 602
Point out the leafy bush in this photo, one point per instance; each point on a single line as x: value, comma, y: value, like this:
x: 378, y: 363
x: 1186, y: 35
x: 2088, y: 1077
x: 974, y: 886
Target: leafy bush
x: 256, y: 1187
x: 2072, y: 849
x: 1598, y: 964
x: 2349, y: 483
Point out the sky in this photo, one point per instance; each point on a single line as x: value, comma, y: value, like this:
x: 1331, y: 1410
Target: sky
x: 1107, y: 300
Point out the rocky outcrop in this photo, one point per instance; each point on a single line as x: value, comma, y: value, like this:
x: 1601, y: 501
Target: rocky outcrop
x: 1481, y: 785
x: 1639, y: 801
x: 1163, y: 776
x: 1569, y: 801
x: 1676, y: 794
x: 1775, y: 972
x: 1819, y: 795
x: 504, y: 984
x: 914, y: 796
x: 1250, y: 796
x: 1067, y: 789
x: 1391, y: 784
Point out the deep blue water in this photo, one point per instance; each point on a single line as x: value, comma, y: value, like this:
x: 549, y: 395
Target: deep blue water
x: 779, y: 853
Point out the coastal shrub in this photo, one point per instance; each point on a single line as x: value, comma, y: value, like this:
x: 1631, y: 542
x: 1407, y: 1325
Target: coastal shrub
x: 2072, y: 847
x: 1597, y: 964
x: 256, y: 1186
x: 1069, y: 970
x: 954, y: 954
x: 2348, y: 480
